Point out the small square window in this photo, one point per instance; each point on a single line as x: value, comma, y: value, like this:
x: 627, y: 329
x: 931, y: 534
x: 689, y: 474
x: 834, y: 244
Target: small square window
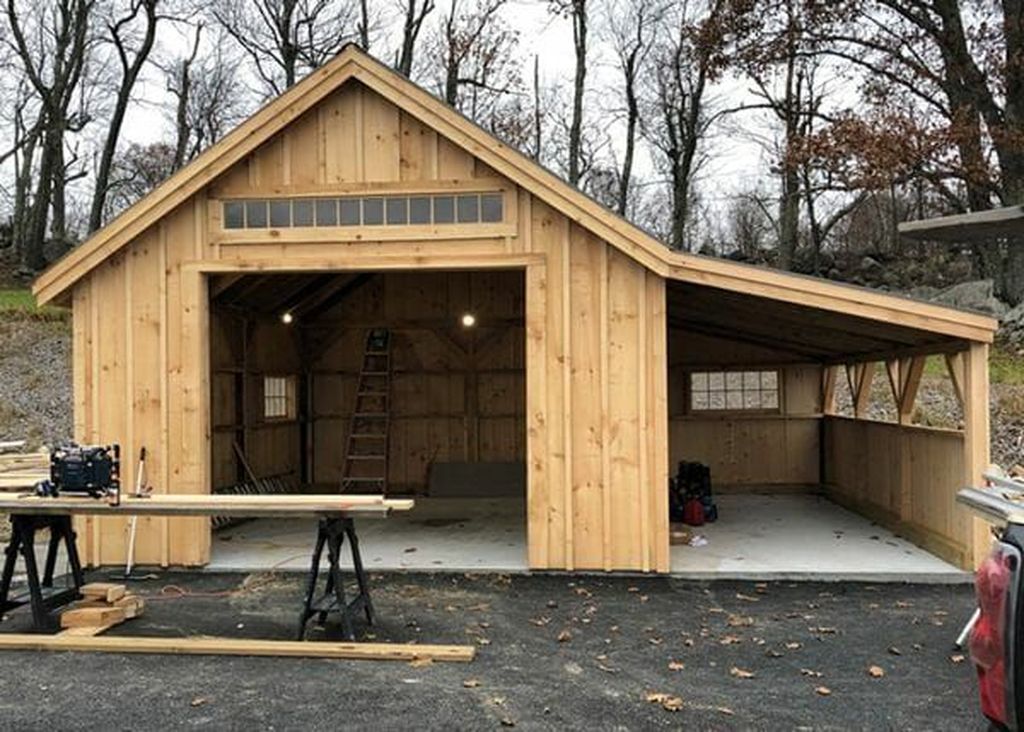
x: 349, y: 211
x: 469, y: 209
x: 234, y: 215
x: 373, y: 211
x: 734, y: 391
x: 302, y: 213
x: 398, y: 211
x: 278, y: 397
x: 326, y: 212
x: 444, y: 210
x: 256, y: 214
x: 491, y: 208
x: 281, y: 214
x: 419, y: 210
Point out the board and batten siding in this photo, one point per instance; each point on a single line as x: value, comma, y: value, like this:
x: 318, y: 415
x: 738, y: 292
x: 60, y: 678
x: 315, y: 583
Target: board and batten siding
x: 596, y: 404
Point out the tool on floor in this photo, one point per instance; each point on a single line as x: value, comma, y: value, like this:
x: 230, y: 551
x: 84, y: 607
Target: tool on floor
x: 365, y: 469
x: 141, y: 491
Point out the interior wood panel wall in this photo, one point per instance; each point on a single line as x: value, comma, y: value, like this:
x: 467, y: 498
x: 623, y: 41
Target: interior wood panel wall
x: 596, y: 394
x: 457, y: 395
x: 905, y: 477
x: 752, y: 451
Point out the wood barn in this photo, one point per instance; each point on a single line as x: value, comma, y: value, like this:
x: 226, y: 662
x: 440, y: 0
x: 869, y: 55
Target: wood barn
x: 529, y: 344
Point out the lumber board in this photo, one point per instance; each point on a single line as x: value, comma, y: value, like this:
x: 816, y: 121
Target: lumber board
x: 204, y: 646
x: 209, y: 505
x: 105, y: 591
x: 92, y: 616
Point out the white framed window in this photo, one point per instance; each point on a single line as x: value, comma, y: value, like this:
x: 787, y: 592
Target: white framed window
x: 734, y: 391
x: 278, y: 397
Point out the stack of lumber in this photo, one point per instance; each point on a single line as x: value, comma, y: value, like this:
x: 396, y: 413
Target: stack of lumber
x: 103, y: 606
x: 20, y: 471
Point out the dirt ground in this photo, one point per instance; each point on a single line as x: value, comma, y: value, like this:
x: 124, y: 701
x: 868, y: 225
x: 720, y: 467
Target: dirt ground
x: 554, y: 652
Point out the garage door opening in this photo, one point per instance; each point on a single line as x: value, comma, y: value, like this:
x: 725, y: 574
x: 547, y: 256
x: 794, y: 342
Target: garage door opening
x: 406, y: 383
x: 809, y: 482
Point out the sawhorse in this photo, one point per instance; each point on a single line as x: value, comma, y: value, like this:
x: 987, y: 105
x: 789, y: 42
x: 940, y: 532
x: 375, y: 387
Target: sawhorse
x: 332, y: 532
x: 41, y: 595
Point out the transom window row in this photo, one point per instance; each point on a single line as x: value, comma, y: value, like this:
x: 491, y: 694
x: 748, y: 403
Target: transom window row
x: 282, y: 213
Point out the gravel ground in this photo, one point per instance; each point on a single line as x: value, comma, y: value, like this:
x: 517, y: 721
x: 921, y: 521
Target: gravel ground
x: 35, y: 381
x: 554, y: 652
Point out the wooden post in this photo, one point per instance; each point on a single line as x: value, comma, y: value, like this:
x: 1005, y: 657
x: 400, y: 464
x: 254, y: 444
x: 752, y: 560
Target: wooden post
x: 976, y: 438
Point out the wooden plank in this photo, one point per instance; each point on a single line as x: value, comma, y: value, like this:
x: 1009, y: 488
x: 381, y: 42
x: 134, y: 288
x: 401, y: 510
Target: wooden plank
x: 91, y: 617
x: 538, y: 459
x: 236, y: 647
x: 105, y: 591
x: 418, y: 150
x: 183, y: 504
x: 338, y: 129
x: 381, y: 139
x: 955, y: 367
x: 656, y: 434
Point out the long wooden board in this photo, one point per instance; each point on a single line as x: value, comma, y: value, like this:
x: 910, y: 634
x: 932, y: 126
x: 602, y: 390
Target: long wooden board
x: 236, y: 647
x: 209, y: 505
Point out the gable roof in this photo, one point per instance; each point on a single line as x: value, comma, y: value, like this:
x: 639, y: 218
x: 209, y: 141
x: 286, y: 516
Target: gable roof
x: 354, y: 63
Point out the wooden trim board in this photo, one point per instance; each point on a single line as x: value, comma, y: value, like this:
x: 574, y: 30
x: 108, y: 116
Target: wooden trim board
x: 236, y: 647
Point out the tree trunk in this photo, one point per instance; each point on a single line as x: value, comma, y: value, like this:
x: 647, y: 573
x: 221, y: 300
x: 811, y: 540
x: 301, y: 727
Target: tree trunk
x: 632, y: 115
x: 579, y: 27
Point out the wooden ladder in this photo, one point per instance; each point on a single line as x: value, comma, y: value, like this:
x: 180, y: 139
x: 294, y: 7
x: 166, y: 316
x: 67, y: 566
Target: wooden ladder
x: 366, y: 455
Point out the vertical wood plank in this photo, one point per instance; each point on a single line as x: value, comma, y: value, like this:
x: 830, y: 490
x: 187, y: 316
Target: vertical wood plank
x: 976, y: 436
x: 339, y: 141
x: 656, y: 430
x: 381, y: 139
x: 538, y: 493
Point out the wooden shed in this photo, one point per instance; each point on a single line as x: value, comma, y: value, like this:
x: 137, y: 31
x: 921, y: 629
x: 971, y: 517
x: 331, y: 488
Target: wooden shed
x: 533, y: 333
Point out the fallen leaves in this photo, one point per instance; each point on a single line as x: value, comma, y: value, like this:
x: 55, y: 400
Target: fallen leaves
x: 668, y: 702
x: 876, y: 672
x: 957, y: 658
x: 471, y: 683
x: 739, y: 621
x: 793, y: 645
x: 198, y: 701
x: 676, y: 665
x: 822, y: 691
x: 812, y: 673
x: 565, y: 636
x: 729, y: 640
x: 741, y: 673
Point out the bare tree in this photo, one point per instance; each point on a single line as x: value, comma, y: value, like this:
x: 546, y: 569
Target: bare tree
x: 285, y: 38
x: 684, y: 64
x: 632, y: 24
x: 52, y: 50
x: 121, y: 29
x: 576, y: 11
x: 416, y: 13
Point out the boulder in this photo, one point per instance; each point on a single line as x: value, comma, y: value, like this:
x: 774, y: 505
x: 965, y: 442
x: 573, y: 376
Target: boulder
x: 977, y: 295
x: 1011, y: 325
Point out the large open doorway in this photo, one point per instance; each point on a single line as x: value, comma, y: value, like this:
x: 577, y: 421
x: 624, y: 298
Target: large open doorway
x: 432, y: 363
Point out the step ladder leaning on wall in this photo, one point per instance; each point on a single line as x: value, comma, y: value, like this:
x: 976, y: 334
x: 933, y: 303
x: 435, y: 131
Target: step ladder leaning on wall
x: 365, y: 469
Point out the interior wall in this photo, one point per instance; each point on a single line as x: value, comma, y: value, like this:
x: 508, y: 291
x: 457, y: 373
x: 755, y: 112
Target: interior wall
x: 755, y: 451
x: 903, y: 476
x: 242, y: 352
x: 457, y: 394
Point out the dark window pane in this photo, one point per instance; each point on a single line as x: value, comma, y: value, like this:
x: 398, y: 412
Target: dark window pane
x: 302, y: 213
x: 326, y: 212
x: 419, y: 210
x: 256, y: 214
x: 280, y: 213
x: 234, y: 215
x: 444, y: 209
x: 491, y: 206
x: 373, y: 211
x: 349, y: 211
x: 398, y: 211
x: 469, y: 209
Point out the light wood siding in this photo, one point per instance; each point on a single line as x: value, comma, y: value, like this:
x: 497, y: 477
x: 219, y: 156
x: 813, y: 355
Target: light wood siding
x: 597, y: 411
x: 904, y: 477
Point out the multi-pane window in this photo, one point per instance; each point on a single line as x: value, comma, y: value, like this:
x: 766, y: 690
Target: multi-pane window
x: 284, y: 213
x: 279, y: 397
x: 728, y: 391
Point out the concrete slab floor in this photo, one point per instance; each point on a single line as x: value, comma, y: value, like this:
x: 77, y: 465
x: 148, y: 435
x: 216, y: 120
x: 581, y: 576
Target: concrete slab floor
x: 807, y: 537
x: 453, y: 534
x: 756, y: 537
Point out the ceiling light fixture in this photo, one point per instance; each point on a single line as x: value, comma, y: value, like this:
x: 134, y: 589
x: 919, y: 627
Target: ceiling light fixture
x: 287, y: 318
x: 468, y: 320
